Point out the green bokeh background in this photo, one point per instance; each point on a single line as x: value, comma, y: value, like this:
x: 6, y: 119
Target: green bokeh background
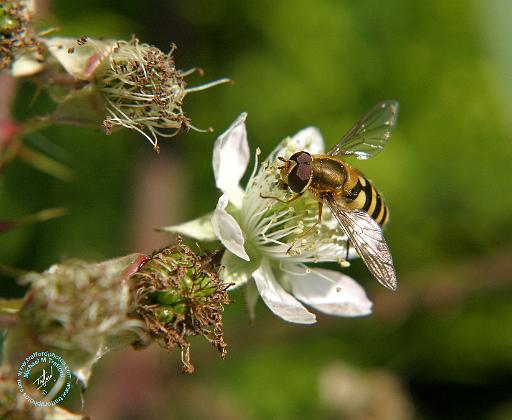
x: 445, y: 175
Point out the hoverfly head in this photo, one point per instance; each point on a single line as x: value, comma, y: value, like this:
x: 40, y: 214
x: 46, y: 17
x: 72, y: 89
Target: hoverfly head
x: 297, y: 171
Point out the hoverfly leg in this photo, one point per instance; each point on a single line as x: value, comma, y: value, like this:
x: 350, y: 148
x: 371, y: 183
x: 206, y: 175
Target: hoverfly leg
x: 320, y: 209
x: 348, y: 248
x: 280, y: 199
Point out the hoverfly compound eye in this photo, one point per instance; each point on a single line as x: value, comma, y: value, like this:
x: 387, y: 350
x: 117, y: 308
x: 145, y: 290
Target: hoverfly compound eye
x: 301, y: 157
x: 300, y: 174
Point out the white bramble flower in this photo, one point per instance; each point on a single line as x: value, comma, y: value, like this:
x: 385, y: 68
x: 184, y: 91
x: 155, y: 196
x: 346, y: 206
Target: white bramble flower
x: 262, y: 236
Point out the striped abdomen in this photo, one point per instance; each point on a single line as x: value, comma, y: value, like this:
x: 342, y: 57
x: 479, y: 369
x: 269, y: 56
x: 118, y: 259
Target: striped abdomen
x: 361, y: 194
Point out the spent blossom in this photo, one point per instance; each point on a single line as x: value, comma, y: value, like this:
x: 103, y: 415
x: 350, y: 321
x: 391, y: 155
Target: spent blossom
x: 115, y: 83
x: 266, y: 248
x: 178, y: 294
x: 18, y: 40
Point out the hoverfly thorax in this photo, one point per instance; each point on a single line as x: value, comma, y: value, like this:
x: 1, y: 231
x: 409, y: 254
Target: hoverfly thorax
x: 296, y: 172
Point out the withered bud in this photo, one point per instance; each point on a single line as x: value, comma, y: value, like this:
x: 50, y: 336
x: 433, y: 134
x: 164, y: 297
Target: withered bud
x: 81, y: 310
x: 17, y: 36
x: 179, y: 294
x: 143, y: 91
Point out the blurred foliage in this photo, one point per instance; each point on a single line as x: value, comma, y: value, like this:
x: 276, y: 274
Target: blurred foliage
x: 445, y: 176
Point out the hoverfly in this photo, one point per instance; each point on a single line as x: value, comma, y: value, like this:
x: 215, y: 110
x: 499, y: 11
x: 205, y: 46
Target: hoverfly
x: 350, y: 196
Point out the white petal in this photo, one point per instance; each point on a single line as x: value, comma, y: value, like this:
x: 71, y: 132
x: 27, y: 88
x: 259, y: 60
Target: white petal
x: 84, y: 59
x: 236, y: 270
x: 336, y: 252
x: 330, y: 292
x: 308, y: 139
x: 277, y: 299
x: 200, y: 229
x: 230, y: 159
x: 26, y: 65
x: 227, y: 229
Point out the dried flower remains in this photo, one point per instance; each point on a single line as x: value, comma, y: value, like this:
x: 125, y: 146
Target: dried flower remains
x: 81, y: 310
x: 179, y: 294
x: 17, y: 35
x: 132, y: 85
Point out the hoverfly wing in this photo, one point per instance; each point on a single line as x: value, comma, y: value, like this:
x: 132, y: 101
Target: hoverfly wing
x: 367, y: 238
x: 370, y: 134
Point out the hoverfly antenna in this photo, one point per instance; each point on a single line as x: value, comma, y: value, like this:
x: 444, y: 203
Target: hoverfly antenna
x: 286, y: 162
